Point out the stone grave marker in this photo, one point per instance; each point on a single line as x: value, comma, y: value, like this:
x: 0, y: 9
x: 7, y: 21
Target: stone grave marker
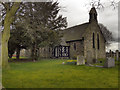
x: 80, y: 60
x: 89, y: 57
x: 110, y: 62
x: 117, y: 55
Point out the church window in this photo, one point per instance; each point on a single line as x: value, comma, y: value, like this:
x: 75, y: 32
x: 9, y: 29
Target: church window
x: 74, y: 46
x: 95, y: 16
x: 90, y: 16
x: 93, y: 40
x: 98, y: 42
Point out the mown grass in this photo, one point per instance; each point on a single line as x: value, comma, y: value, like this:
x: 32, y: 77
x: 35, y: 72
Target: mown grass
x: 53, y: 74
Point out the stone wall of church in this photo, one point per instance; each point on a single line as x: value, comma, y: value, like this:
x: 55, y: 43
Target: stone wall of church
x: 76, y: 48
x: 90, y: 52
x: 101, y: 53
x: 45, y: 52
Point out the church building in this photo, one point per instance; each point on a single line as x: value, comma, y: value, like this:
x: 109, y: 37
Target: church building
x: 86, y: 39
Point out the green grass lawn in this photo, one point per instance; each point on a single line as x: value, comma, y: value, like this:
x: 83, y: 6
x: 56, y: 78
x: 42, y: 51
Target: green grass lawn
x: 53, y: 74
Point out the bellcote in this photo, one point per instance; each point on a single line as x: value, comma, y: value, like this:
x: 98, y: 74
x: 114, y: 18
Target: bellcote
x: 93, y: 15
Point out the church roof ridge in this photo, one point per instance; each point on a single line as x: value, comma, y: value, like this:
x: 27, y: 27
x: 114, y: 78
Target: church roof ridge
x: 79, y: 25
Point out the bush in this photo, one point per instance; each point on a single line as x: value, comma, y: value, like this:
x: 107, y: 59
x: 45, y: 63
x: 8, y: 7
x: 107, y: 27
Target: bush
x: 71, y: 62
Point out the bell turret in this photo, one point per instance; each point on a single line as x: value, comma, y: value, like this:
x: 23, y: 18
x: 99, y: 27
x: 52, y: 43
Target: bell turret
x: 93, y: 15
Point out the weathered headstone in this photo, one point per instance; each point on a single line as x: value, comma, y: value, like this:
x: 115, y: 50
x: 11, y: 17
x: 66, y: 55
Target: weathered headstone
x: 89, y: 57
x: 80, y: 60
x: 117, y: 55
x: 110, y: 53
x: 110, y: 62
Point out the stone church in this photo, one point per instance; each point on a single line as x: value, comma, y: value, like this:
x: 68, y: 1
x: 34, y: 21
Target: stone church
x: 85, y: 39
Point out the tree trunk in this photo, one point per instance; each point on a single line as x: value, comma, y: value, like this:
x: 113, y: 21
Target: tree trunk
x: 4, y: 51
x: 32, y: 52
x: 9, y: 18
x: 35, y: 52
x: 5, y: 38
x: 17, y: 53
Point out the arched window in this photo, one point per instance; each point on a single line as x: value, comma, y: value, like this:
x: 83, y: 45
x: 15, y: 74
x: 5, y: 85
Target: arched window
x: 98, y: 42
x: 95, y: 16
x: 93, y: 40
x: 90, y: 16
x: 74, y: 46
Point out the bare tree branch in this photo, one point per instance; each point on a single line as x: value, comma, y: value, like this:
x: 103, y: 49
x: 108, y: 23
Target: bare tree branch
x: 100, y: 5
x: 4, y: 5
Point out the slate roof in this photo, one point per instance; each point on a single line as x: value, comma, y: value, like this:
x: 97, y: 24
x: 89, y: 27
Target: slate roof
x: 75, y: 32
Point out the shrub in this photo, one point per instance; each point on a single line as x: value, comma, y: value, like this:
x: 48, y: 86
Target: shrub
x: 71, y: 62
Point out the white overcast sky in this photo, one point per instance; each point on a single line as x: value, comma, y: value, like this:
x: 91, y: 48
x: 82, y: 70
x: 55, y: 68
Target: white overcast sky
x: 77, y: 12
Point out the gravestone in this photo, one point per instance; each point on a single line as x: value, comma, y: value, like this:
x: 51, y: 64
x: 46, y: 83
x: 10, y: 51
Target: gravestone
x: 89, y: 57
x: 117, y: 55
x: 110, y: 62
x: 80, y: 60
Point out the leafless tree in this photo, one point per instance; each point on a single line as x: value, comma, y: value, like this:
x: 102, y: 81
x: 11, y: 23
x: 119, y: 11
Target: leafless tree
x: 100, y: 4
